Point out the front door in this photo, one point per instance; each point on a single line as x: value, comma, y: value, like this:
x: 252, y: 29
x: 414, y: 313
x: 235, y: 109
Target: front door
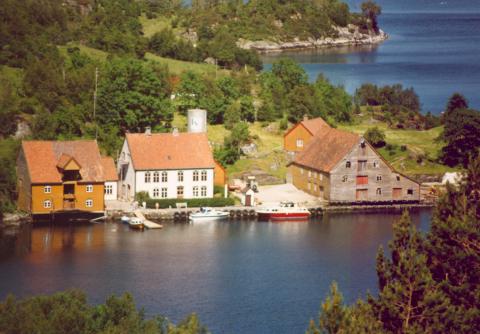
x: 248, y: 200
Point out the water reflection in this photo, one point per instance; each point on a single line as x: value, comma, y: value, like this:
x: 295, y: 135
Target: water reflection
x: 239, y: 276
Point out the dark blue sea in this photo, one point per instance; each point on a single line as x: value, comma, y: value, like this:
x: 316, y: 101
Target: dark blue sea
x: 437, y: 53
x: 239, y: 276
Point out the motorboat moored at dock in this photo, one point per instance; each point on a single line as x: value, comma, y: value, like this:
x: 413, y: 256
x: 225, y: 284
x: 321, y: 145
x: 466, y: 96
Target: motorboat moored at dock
x: 208, y: 214
x: 136, y: 223
x: 284, y: 211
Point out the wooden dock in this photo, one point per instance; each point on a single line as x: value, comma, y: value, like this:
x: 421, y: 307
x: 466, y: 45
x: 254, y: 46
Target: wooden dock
x: 147, y: 223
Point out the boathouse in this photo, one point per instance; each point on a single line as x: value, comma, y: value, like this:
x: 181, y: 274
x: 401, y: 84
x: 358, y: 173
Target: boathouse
x: 166, y: 165
x: 60, y: 176
x: 340, y: 166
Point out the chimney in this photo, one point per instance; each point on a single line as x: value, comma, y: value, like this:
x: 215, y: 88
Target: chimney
x: 305, y: 117
x: 175, y: 132
x: 148, y: 130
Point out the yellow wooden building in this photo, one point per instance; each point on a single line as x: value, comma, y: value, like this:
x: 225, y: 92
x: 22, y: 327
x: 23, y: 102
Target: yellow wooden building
x: 60, y: 176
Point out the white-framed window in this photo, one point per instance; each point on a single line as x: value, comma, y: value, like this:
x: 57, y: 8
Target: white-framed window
x: 203, y: 191
x: 89, y: 203
x: 195, y: 175
x: 348, y: 164
x: 164, y: 192
x: 195, y: 191
x: 180, y: 176
x: 156, y: 192
x: 379, y: 191
x: 89, y: 188
x: 299, y: 142
x: 156, y: 177
x: 47, y: 189
x: 345, y: 178
x: 147, y: 177
x: 108, y: 189
x: 376, y: 164
x: 164, y: 177
x: 204, y: 175
x: 379, y: 178
x: 180, y: 192
x: 47, y: 204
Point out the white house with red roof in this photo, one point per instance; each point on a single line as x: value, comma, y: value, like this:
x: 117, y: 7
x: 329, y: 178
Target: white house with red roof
x: 166, y: 166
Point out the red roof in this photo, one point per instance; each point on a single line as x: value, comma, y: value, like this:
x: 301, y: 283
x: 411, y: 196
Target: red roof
x: 326, y: 150
x: 314, y: 126
x: 170, y: 151
x: 109, y: 169
x: 44, y: 157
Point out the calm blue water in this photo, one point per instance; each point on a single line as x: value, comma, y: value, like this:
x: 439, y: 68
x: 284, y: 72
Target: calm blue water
x: 240, y: 277
x: 436, y: 53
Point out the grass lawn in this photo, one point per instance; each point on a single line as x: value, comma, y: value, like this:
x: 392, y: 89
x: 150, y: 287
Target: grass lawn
x: 178, y: 66
x: 151, y: 26
x: 95, y: 54
x: 11, y: 75
x: 418, y: 143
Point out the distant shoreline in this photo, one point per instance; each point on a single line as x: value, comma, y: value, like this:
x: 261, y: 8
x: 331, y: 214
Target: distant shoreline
x: 348, y: 36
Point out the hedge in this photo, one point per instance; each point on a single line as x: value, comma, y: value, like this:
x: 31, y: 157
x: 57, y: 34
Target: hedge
x: 191, y: 203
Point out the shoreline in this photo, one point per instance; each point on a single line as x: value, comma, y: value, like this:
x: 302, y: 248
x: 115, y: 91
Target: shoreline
x: 347, y: 36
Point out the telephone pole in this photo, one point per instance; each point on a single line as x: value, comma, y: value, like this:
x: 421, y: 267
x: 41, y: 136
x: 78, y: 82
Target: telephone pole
x: 95, y: 103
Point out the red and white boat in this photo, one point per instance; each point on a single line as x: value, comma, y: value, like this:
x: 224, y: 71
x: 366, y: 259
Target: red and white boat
x: 285, y: 211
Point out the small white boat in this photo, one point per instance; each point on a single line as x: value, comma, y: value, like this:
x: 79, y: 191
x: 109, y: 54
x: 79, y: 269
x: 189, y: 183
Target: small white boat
x: 208, y: 214
x: 125, y: 219
x: 136, y: 223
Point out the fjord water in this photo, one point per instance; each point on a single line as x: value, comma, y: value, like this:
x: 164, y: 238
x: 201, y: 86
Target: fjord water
x: 240, y: 277
x: 436, y: 53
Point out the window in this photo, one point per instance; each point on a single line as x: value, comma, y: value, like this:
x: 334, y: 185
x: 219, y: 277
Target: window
x: 376, y: 164
x: 309, y: 173
x: 362, y: 165
x: 379, y: 191
x: 156, y: 192
x: 321, y: 176
x: 89, y: 188
x: 344, y: 178
x: 195, y: 175
x: 299, y: 142
x: 147, y: 177
x: 361, y: 180
x: 180, y: 176
x: 108, y: 189
x: 195, y: 191
x: 398, y: 177
x: 410, y: 192
x: 348, y: 164
x: 47, y: 189
x: 156, y: 177
x: 301, y: 170
x: 204, y: 175
x: 164, y: 177
x: 47, y: 204
x: 379, y: 178
x: 315, y: 174
x: 180, y: 192
x: 204, y: 191
x: 89, y: 203
x: 164, y: 192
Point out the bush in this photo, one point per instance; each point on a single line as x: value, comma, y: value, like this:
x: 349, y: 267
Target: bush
x: 191, y: 203
x: 376, y: 137
x: 142, y: 196
x: 218, y: 190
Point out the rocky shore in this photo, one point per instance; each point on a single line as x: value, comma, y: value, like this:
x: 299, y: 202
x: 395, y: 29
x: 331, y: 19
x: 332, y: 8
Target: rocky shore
x: 346, y: 36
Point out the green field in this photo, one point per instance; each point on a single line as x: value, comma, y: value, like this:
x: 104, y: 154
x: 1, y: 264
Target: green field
x: 420, y: 145
x: 151, y: 26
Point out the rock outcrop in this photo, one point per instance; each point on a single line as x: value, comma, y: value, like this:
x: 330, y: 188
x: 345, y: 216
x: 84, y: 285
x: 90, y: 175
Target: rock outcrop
x: 349, y: 35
